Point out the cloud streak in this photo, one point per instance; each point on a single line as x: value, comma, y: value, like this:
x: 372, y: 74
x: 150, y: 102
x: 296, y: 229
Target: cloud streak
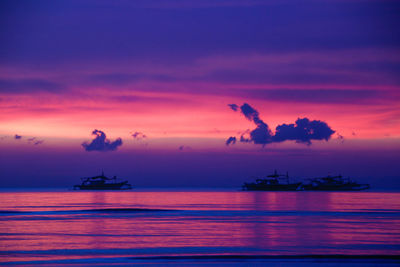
x: 19, y: 86
x: 101, y: 143
x: 326, y: 96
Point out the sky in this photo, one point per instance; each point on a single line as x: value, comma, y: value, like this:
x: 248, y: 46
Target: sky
x: 169, y: 93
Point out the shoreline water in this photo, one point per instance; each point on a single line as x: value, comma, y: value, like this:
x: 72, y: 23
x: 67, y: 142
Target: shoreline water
x: 199, y: 227
x: 175, y: 189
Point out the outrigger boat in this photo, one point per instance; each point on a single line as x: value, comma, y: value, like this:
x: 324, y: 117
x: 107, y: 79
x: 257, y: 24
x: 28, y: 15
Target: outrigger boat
x: 272, y: 183
x: 102, y: 182
x: 334, y: 183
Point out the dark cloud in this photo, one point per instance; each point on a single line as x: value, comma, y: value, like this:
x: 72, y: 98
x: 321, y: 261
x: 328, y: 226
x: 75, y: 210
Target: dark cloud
x: 303, y: 131
x: 252, y: 114
x: 262, y: 134
x: 182, y: 147
x: 139, y: 135
x: 101, y: 143
x: 17, y: 136
x: 230, y: 140
x: 249, y: 112
x: 234, y: 107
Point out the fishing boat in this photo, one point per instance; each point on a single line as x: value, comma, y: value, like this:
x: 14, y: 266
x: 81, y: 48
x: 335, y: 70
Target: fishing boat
x: 101, y: 182
x: 334, y: 183
x: 272, y: 182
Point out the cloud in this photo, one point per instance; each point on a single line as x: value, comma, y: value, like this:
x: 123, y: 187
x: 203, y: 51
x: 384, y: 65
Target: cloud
x: 34, y: 141
x: 31, y: 140
x: 251, y: 114
x: 139, y: 135
x: 230, y: 140
x: 302, y: 131
x: 101, y: 143
x: 182, y: 147
x: 38, y: 142
x: 234, y: 107
x: 262, y: 134
x: 340, y: 137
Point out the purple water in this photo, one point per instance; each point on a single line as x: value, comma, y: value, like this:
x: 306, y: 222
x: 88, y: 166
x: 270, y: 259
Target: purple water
x: 133, y: 227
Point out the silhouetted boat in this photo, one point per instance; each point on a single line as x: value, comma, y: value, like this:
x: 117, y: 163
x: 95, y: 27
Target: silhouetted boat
x: 334, y: 183
x: 102, y: 182
x: 272, y: 183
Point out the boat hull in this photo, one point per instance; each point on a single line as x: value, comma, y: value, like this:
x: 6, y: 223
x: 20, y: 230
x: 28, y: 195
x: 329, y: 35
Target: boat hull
x: 277, y: 187
x: 349, y: 187
x: 114, y: 186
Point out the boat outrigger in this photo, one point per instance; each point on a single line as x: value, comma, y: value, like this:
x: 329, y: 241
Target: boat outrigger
x: 102, y: 182
x: 334, y: 183
x: 272, y: 183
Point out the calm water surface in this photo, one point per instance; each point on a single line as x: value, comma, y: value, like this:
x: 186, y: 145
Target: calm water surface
x: 167, y: 227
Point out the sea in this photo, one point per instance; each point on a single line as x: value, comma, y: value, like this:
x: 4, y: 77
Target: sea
x: 179, y: 227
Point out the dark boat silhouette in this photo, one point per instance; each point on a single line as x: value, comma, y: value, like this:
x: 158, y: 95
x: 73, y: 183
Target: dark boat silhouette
x: 102, y: 182
x: 272, y: 183
x: 334, y: 183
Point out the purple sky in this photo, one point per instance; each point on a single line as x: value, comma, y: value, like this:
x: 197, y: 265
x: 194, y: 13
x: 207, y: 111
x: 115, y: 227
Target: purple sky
x: 152, y: 90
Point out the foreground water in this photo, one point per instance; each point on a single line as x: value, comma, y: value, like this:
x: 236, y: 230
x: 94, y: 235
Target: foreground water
x: 133, y: 227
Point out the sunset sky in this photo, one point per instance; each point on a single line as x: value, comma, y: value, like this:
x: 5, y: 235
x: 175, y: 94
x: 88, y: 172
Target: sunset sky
x: 159, y: 79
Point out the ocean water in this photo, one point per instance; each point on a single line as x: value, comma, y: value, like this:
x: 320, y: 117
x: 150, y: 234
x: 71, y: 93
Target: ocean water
x: 199, y: 228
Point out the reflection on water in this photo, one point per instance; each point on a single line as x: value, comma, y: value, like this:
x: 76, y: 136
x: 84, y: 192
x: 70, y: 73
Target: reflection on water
x: 78, y: 225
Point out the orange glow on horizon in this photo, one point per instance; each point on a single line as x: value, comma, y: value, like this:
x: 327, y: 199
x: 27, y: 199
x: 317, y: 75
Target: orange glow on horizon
x: 205, y: 117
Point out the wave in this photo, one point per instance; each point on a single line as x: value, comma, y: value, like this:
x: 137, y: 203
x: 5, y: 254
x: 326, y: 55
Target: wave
x: 239, y: 260
x: 105, y: 210
x: 11, y: 212
x: 272, y: 257
x: 124, y: 210
x: 202, y: 213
